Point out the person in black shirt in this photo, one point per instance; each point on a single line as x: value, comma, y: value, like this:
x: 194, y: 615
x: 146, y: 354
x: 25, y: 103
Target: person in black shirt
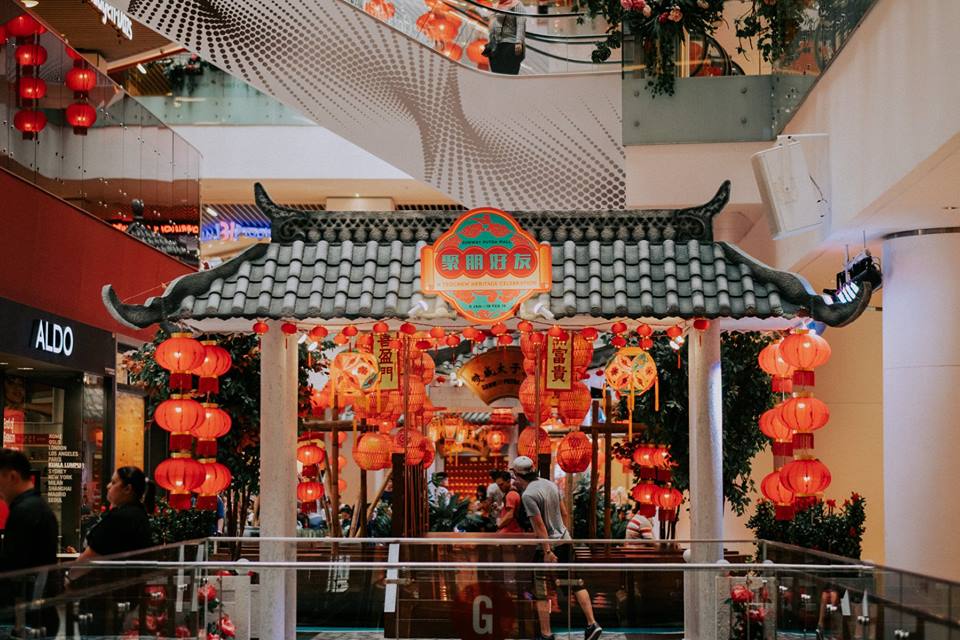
x: 29, y: 540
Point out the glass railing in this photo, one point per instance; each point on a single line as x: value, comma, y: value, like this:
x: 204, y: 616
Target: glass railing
x: 725, y: 90
x: 125, y: 156
x: 444, y: 587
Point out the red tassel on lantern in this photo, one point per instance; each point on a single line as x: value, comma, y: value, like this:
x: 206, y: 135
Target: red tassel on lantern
x: 180, y: 416
x: 804, y: 351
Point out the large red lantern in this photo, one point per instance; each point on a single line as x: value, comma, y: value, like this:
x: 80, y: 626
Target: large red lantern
x: 180, y: 354
x: 216, y: 362
x: 455, y: 52
x: 439, y: 25
x: 528, y: 399
x: 806, y: 478
x: 23, y: 26
x: 216, y: 424
x: 310, y: 453
x: 373, y: 451
x: 30, y: 55
x: 782, y: 498
x: 645, y: 494
x: 30, y: 122
x: 573, y: 452
x: 180, y: 475
x: 309, y: 491
x: 533, y: 441
x: 218, y: 478
x: 804, y: 414
x: 773, y: 364
x: 573, y: 405
x: 429, y: 452
x: 81, y: 80
x: 668, y: 499
x: 772, y: 426
x: 582, y: 353
x: 81, y: 116
x: 423, y: 368
x: 32, y: 88
x: 475, y: 53
x: 180, y: 416
x: 804, y: 351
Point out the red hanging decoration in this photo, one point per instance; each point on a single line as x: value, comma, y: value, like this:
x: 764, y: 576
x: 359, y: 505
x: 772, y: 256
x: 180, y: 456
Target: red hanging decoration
x: 773, y: 364
x: 452, y: 341
x: 573, y: 452
x: 216, y: 362
x: 180, y: 475
x: 782, y: 498
x: 701, y: 324
x: 409, y: 329
x: 669, y: 500
x: 180, y: 354
x: 288, y: 328
x: 806, y: 478
x: 81, y: 116
x: 804, y: 414
x: 215, y: 424
x: 29, y: 122
x: 309, y: 491
x: 218, y: 478
x: 590, y: 334
x: 380, y: 9
x: 804, y: 351
x: 180, y: 416
x: 475, y: 54
x: 645, y: 494
x: 23, y: 26
x: 373, y: 450
x: 30, y: 55
x: 504, y: 340
x: 261, y: 328
x: 310, y: 453
x: 32, y: 88
x: 318, y: 333
x: 618, y: 327
x: 573, y: 405
x: 81, y: 80
x: 533, y: 441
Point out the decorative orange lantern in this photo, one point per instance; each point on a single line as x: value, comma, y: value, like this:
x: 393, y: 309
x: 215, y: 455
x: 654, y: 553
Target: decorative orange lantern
x: 495, y: 440
x: 318, y: 333
x: 773, y: 364
x: 439, y: 25
x: 180, y: 416
x: 645, y: 494
x: 218, y: 478
x: 782, y: 498
x: 669, y: 500
x: 475, y: 55
x: 373, y: 451
x: 450, y: 50
x: 429, y: 452
x: 407, y: 442
x: 804, y: 351
x: 29, y: 122
x: 533, y: 441
x: 643, y: 455
x: 32, y: 88
x: 81, y: 80
x: 310, y: 453
x: 309, y: 491
x: 354, y: 372
x: 573, y: 452
x: 180, y: 475
x: 423, y: 367
x: 30, y: 55
x: 180, y: 354
x: 216, y: 362
x: 582, y: 352
x: 528, y: 399
x: 573, y: 405
x: 216, y: 424
x: 806, y: 478
x: 772, y: 426
x: 804, y: 414
x: 341, y: 486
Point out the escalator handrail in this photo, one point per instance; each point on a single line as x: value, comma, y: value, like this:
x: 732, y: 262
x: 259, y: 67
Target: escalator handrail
x: 480, y: 5
x: 586, y: 37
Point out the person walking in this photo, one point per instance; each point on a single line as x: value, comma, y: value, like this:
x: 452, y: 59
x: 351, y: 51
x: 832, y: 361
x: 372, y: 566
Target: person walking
x: 30, y: 540
x: 544, y: 506
x: 507, y: 34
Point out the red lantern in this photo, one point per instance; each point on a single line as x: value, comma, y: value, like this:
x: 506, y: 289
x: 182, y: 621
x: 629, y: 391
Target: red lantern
x: 556, y: 332
x: 81, y: 80
x: 288, y: 328
x: 373, y: 451
x: 180, y: 475
x: 32, y: 88
x: 589, y: 334
x: 495, y: 440
x: 450, y: 50
x: 215, y: 424
x: 318, y: 333
x: 475, y: 55
x: 527, y: 395
x: 380, y: 327
x: 504, y: 340
x: 644, y: 331
x: 407, y: 442
x: 533, y: 441
x: 408, y: 329
x: 341, y: 486
x: 380, y: 9
x: 180, y: 416
x: 643, y: 455
x: 573, y: 452
x: 582, y: 352
x: 804, y: 351
x: 439, y: 25
x: 429, y: 452
x: 30, y: 55
x: 30, y: 122
x: 524, y: 326
x: 452, y: 341
x: 645, y: 493
x: 701, y: 324
x: 498, y: 329
x: 779, y: 495
x: 218, y: 478
x: 806, y: 478
x: 618, y: 341
x: 310, y: 454
x: 216, y: 362
x: 573, y: 405
x: 437, y: 332
x: 531, y: 345
x: 668, y: 499
x: 618, y: 327
x: 23, y: 26
x: 674, y: 332
x: 180, y: 354
x: 646, y: 343
x: 309, y: 491
x: 81, y: 116
x: 773, y: 364
x: 776, y: 429
x: 804, y: 414
x: 261, y: 328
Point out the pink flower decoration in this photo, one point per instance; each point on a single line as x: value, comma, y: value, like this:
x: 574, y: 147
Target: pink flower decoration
x: 740, y: 593
x: 633, y: 5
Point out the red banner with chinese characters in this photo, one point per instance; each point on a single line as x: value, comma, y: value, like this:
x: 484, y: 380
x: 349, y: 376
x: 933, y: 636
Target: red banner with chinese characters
x: 559, y: 364
x: 486, y: 265
x: 386, y: 360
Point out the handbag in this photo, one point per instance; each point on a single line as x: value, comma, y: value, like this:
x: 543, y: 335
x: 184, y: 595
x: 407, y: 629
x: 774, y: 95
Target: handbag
x: 490, y: 48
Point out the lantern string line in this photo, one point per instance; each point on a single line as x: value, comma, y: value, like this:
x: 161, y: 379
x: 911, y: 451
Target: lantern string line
x: 162, y: 285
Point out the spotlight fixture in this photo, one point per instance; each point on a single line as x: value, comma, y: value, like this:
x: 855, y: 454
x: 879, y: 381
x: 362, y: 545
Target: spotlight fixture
x: 211, y: 212
x: 142, y: 69
x: 29, y: 4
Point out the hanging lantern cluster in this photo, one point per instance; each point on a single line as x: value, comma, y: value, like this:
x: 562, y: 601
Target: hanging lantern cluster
x: 799, y: 478
x: 652, y: 465
x: 311, y: 454
x: 187, y: 419
x: 29, y: 55
x: 81, y: 79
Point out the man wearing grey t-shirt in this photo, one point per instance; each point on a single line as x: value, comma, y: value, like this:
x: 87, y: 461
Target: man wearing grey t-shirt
x: 544, y: 505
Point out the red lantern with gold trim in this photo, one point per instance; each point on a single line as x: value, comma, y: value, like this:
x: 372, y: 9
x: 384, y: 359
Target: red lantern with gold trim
x: 806, y: 478
x: 373, y: 451
x: 669, y: 500
x: 804, y: 351
x: 180, y: 416
x: 781, y: 497
x: 309, y: 491
x: 804, y: 414
x: 573, y: 452
x: 29, y: 122
x: 216, y: 362
x: 645, y: 494
x: 309, y: 453
x: 180, y: 475
x: 180, y: 354
x: 218, y: 478
x: 216, y: 424
x: 774, y: 365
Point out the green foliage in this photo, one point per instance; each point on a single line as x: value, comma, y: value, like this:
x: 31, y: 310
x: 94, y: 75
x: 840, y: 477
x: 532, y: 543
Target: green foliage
x: 822, y: 527
x: 746, y: 395
x: 448, y: 513
x: 619, y: 516
x: 170, y: 525
x: 381, y: 525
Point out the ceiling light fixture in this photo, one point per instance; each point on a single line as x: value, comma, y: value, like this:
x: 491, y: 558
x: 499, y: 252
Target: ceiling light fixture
x: 211, y: 212
x: 30, y: 4
x: 24, y: 368
x: 142, y: 69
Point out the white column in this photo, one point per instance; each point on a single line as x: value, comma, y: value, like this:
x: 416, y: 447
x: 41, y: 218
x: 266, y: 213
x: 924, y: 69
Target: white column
x: 921, y: 375
x: 278, y: 480
x: 706, y: 478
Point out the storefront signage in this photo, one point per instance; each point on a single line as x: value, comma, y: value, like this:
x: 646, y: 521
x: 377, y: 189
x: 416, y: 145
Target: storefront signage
x: 495, y: 374
x: 52, y: 337
x: 114, y: 16
x: 486, y: 265
x: 387, y: 360
x: 176, y: 228
x: 559, y: 371
x: 226, y: 230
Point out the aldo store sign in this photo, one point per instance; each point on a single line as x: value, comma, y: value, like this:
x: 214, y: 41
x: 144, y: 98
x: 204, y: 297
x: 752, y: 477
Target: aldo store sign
x: 53, y: 338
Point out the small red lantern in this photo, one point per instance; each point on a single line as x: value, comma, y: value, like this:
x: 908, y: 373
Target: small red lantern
x: 309, y: 491
x: 22, y: 26
x: 782, y: 498
x: 504, y: 340
x: 32, y: 88
x: 582, y: 352
x: 216, y: 424
x: 701, y: 324
x: 773, y: 364
x: 533, y: 441
x: 776, y: 429
x: 573, y: 405
x: 350, y: 331
x: 528, y: 399
x: 589, y: 334
x: 674, y: 332
x: 804, y: 351
x: 573, y: 452
x: 318, y: 333
x: 81, y: 116
x: 646, y: 343
x: 310, y: 453
x: 373, y: 451
x: 30, y: 122
x: 180, y: 354
x: 261, y: 328
x: 471, y: 333
x: 618, y: 341
x: 381, y: 327
x: 408, y: 329
x: 216, y: 362
x: 218, y: 478
x: 81, y: 80
x: 495, y: 440
x: 498, y: 329
x: 644, y: 330
x: 380, y: 9
x: 180, y: 475
x: 452, y: 341
x: 30, y: 55
x: 618, y: 327
x: 288, y: 328
x: 806, y: 478
x: 437, y: 332
x: 180, y: 416
x: 524, y: 326
x: 475, y: 52
x: 556, y: 332
x: 645, y: 493
x: 669, y: 500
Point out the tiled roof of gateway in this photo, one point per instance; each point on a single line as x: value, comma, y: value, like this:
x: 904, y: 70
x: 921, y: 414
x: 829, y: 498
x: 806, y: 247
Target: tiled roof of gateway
x: 330, y: 265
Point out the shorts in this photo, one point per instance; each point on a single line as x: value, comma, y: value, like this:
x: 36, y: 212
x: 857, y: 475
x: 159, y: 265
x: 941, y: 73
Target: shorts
x: 559, y: 576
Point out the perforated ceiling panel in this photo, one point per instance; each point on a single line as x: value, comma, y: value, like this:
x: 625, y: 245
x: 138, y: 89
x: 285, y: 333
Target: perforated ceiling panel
x: 518, y: 143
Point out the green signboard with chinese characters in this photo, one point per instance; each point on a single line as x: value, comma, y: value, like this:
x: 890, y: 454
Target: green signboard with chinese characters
x: 485, y: 265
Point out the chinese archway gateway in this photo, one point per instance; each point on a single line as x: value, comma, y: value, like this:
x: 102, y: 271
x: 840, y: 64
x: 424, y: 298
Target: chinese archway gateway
x: 660, y: 267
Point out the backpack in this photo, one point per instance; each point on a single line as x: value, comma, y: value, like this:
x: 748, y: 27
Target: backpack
x: 520, y: 514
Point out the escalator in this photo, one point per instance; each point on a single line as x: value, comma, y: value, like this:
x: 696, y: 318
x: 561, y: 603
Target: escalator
x: 550, y: 138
